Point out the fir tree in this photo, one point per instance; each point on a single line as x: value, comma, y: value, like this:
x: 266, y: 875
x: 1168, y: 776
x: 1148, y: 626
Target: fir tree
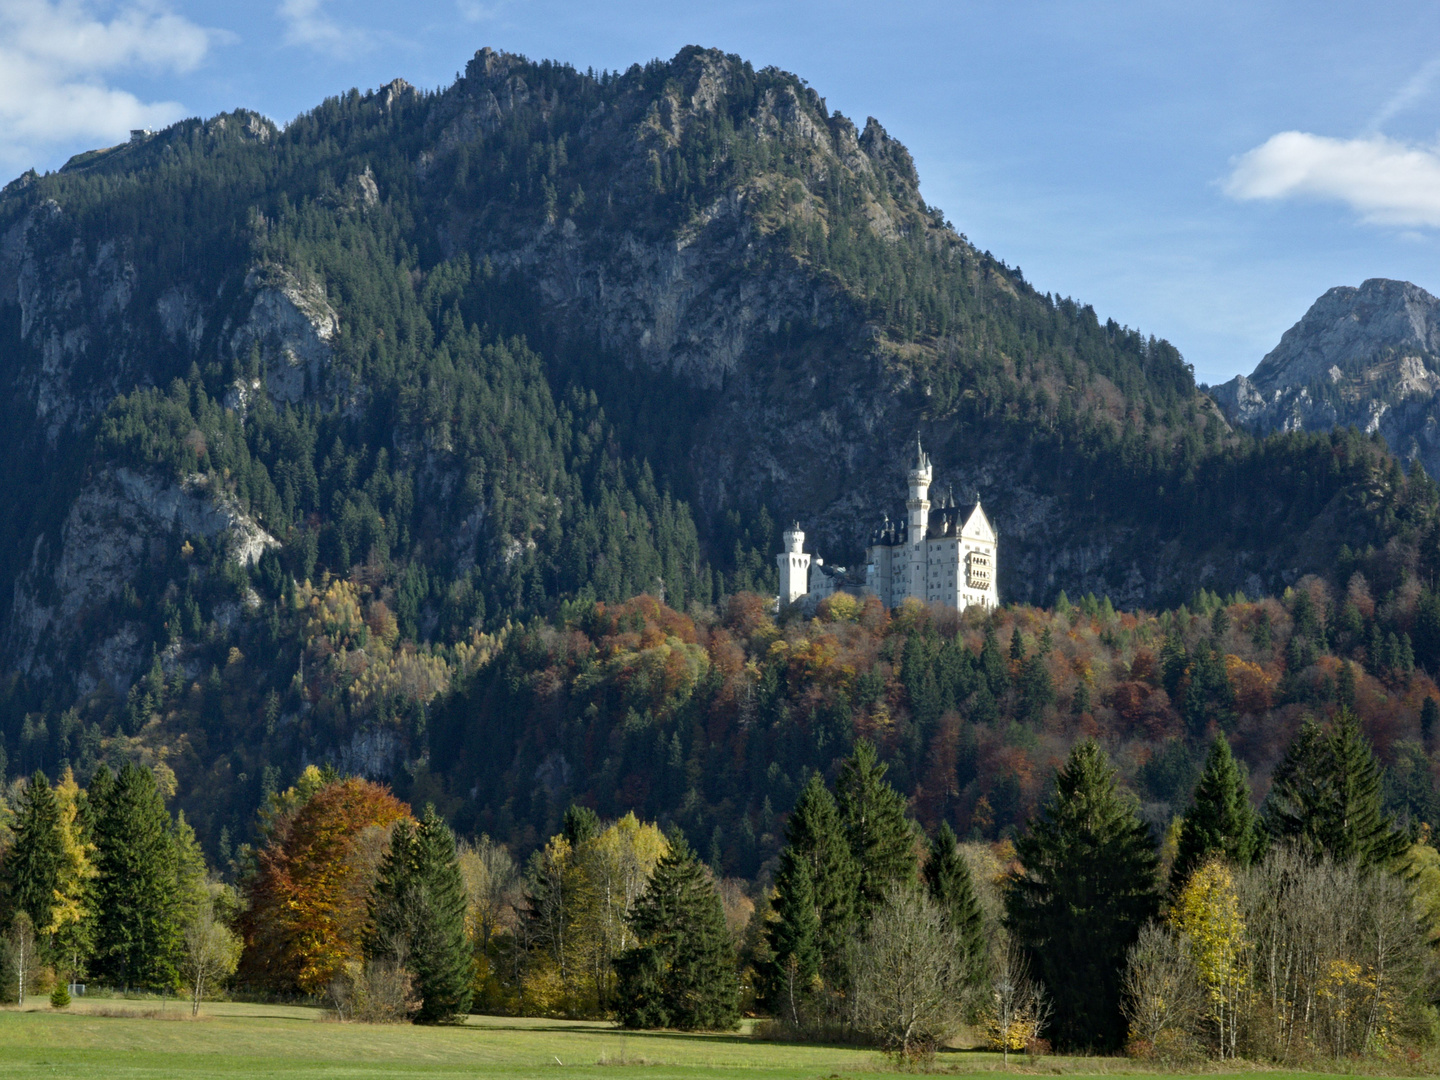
x: 31, y: 873
x: 1220, y: 820
x: 581, y: 824
x: 872, y: 814
x: 682, y: 972
x: 1429, y: 714
x: 417, y: 916
x: 951, y: 886
x: 794, y: 936
x: 1087, y: 887
x: 1327, y: 795
x: 137, y: 929
x: 815, y: 835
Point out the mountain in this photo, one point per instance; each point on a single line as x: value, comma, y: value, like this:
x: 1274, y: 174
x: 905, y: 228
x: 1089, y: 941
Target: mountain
x: 1368, y: 357
x: 301, y: 424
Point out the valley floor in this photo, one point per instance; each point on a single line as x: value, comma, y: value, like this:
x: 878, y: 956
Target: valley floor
x: 137, y: 1040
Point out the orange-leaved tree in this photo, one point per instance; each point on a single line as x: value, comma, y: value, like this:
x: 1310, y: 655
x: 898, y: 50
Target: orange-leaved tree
x: 311, y: 879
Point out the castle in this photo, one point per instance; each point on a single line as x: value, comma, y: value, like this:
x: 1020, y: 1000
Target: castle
x: 947, y: 556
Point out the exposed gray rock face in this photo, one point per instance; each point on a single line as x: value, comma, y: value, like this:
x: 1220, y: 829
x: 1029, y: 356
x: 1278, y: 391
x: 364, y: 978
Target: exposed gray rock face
x: 1368, y: 357
x: 110, y: 534
x: 293, y: 324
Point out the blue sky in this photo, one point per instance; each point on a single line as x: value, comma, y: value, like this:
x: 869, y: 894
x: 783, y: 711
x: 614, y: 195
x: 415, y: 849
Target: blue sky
x: 1200, y: 171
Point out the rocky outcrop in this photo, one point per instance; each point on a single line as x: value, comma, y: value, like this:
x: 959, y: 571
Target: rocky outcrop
x: 1368, y: 357
x: 292, y: 325
x: 121, y: 522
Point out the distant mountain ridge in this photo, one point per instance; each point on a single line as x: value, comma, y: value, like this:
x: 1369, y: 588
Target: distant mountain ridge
x: 1367, y: 356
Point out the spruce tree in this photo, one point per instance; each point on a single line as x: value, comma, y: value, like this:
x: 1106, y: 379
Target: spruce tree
x: 417, y: 916
x: 445, y: 962
x: 138, y: 931
x: 951, y: 886
x: 1220, y: 820
x: 1327, y: 796
x: 794, y: 947
x: 1087, y: 887
x: 31, y: 871
x: 682, y: 972
x: 873, y: 816
x: 814, y: 834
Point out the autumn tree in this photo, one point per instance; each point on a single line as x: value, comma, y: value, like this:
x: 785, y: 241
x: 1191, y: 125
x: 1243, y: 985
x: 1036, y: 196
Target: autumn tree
x: 210, y: 951
x: 312, y: 879
x: 1087, y: 886
x: 1207, y: 912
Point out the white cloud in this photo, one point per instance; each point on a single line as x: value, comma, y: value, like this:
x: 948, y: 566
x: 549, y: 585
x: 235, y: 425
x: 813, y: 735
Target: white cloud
x: 56, y: 60
x: 476, y: 11
x: 1416, y: 88
x: 1387, y: 182
x: 307, y: 23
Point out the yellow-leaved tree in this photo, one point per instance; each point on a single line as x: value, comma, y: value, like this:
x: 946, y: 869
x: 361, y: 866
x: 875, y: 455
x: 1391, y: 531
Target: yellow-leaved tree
x: 615, y: 866
x: 1207, y: 912
x: 71, y: 929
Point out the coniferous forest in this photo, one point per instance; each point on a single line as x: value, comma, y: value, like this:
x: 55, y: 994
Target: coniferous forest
x: 393, y: 615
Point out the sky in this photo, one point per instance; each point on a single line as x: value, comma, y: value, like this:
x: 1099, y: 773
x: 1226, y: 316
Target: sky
x: 1202, y: 172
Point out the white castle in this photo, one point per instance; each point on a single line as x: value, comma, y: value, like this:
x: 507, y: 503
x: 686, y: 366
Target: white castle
x: 946, y: 557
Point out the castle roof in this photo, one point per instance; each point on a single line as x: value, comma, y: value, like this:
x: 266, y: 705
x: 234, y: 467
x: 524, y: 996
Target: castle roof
x: 944, y: 521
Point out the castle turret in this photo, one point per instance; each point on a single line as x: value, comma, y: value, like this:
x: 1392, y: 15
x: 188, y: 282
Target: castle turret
x: 918, y: 504
x: 794, y: 566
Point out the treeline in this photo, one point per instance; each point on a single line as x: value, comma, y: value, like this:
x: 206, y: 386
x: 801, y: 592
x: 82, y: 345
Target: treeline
x: 1303, y: 930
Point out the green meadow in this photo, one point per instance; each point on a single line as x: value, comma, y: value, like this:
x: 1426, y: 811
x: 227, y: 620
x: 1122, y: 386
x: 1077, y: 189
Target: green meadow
x: 131, y: 1040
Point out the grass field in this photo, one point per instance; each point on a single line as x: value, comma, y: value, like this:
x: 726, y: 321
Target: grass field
x: 127, y: 1040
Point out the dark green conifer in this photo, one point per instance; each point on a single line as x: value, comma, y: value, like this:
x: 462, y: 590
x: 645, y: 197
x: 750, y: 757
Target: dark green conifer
x: 951, y: 886
x: 32, y: 865
x: 1327, y: 796
x: 417, y: 916
x: 1087, y: 887
x: 682, y: 972
x: 815, y: 834
x: 872, y: 814
x: 137, y: 932
x: 794, y: 939
x: 1429, y: 714
x: 1220, y: 820
x: 581, y: 824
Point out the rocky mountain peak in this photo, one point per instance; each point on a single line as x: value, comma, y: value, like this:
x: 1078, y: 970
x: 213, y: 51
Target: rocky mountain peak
x: 1367, y: 356
x: 1353, y: 330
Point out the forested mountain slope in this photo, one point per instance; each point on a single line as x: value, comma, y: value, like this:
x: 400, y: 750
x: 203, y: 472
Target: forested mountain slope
x: 297, y: 422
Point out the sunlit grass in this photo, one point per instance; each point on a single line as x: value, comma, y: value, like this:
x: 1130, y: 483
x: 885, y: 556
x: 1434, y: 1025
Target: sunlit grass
x: 128, y: 1040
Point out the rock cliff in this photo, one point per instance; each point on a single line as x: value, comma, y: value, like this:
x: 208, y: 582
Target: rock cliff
x: 1367, y: 356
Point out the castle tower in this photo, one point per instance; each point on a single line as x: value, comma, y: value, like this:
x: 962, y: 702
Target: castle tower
x: 918, y: 521
x: 794, y: 566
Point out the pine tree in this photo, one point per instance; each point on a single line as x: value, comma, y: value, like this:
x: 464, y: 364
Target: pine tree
x: 1327, y: 795
x: 682, y: 972
x: 1220, y: 820
x: 814, y: 834
x: 951, y: 886
x: 417, y: 917
x: 872, y: 814
x: 444, y: 964
x: 32, y: 868
x: 795, y: 952
x: 137, y: 928
x: 1087, y: 887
